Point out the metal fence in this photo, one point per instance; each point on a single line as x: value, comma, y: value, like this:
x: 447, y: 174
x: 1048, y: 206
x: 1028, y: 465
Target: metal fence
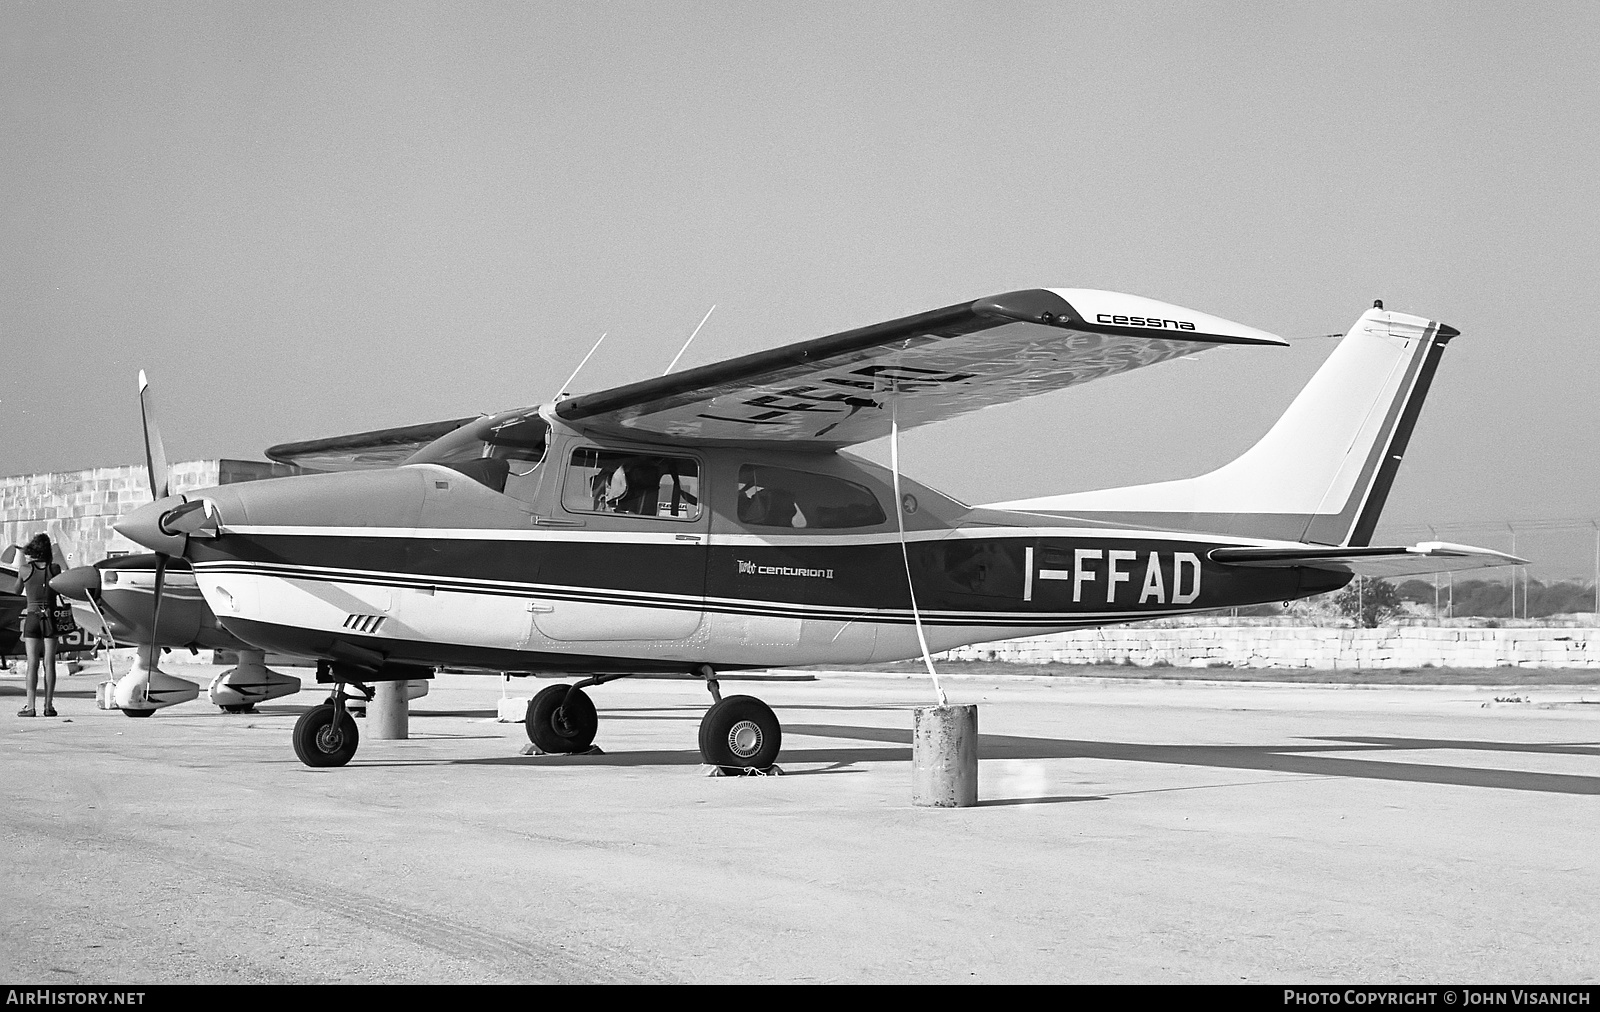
x: 1557, y: 550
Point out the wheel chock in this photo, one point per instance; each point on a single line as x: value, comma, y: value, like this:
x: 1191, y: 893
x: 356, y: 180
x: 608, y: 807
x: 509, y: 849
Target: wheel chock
x: 744, y: 771
x: 531, y: 749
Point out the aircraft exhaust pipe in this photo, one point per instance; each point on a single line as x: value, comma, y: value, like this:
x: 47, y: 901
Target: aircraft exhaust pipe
x: 196, y: 518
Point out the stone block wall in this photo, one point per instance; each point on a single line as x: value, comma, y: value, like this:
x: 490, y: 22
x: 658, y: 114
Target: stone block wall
x: 77, y: 508
x: 1301, y: 647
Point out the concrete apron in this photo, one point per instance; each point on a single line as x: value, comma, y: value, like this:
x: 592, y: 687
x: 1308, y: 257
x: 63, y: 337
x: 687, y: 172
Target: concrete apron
x: 944, y: 756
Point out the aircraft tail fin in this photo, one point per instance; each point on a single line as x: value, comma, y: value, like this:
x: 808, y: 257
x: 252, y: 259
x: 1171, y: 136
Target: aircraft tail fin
x: 1322, y: 473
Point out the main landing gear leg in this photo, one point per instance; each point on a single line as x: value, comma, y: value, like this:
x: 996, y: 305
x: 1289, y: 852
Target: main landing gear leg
x: 739, y: 735
x: 326, y: 735
x: 562, y: 719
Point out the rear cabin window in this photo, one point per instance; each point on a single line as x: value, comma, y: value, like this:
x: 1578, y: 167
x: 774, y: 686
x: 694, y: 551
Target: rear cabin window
x: 779, y: 497
x: 637, y: 484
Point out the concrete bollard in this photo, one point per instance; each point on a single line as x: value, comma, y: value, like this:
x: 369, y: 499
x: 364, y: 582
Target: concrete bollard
x: 944, y: 756
x: 388, y: 715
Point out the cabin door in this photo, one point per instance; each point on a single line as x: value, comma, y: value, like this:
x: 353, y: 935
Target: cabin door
x: 631, y: 553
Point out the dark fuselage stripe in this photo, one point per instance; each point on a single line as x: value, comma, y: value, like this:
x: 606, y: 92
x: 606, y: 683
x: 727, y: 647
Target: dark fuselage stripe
x: 959, y: 581
x: 730, y: 607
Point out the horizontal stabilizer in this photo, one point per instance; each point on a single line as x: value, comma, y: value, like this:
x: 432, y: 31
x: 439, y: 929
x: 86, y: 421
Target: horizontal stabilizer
x: 1417, y: 560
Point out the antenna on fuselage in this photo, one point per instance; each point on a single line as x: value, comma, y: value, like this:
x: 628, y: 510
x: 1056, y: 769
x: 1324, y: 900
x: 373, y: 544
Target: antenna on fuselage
x: 696, y: 333
x: 562, y: 392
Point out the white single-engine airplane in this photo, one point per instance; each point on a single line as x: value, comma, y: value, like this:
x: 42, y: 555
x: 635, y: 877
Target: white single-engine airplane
x: 116, y: 597
x: 707, y: 521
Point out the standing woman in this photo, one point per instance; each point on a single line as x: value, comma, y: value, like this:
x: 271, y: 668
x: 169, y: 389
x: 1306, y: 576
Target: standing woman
x: 38, y: 624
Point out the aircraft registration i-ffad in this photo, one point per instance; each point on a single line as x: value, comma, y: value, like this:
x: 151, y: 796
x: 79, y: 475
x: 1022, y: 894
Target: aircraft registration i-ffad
x: 713, y: 520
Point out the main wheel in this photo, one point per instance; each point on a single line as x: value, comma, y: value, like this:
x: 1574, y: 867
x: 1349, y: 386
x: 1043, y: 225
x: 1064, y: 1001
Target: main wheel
x: 562, y: 719
x: 740, y: 732
x: 319, y: 742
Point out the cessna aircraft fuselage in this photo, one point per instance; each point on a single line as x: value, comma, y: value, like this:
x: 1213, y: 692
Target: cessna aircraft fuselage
x: 425, y: 564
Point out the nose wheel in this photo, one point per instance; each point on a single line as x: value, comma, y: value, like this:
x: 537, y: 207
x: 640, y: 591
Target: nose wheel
x: 325, y: 736
x: 740, y: 734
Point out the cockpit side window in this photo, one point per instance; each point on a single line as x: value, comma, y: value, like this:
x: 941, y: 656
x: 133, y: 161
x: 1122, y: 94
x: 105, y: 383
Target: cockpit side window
x: 519, y: 441
x: 640, y: 484
x: 502, y: 452
x: 485, y: 471
x: 780, y: 497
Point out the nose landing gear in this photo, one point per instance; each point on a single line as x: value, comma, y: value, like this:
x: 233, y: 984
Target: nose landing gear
x: 326, y: 735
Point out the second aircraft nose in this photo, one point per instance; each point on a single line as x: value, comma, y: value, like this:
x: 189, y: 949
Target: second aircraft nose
x: 77, y: 583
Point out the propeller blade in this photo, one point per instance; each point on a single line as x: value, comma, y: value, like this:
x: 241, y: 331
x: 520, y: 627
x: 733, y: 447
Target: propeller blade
x: 155, y: 455
x: 105, y: 627
x: 153, y: 648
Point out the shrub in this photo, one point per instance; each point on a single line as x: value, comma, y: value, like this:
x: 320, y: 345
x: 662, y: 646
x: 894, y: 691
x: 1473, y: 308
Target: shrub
x: 1371, y: 602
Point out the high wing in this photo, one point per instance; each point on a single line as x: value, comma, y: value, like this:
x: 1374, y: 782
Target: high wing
x: 837, y: 391
x: 1417, y: 560
x: 363, y: 451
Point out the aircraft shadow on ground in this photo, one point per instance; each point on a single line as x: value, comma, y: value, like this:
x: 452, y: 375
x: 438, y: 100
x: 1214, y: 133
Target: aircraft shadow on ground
x: 1419, y: 744
x: 480, y: 714
x: 1056, y: 799
x: 836, y: 757
x: 1302, y: 759
x: 295, y: 710
x: 698, y: 708
x: 694, y: 713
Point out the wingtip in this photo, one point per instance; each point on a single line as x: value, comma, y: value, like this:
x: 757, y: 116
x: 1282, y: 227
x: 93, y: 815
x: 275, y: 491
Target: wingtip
x: 142, y: 381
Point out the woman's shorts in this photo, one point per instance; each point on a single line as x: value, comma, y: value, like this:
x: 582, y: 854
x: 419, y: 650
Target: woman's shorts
x: 38, y: 626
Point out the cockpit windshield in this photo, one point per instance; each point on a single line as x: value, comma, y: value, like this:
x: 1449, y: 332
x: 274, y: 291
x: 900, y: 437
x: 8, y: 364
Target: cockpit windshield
x: 501, y: 451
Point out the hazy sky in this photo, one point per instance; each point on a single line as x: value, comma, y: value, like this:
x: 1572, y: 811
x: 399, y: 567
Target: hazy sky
x: 307, y: 219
